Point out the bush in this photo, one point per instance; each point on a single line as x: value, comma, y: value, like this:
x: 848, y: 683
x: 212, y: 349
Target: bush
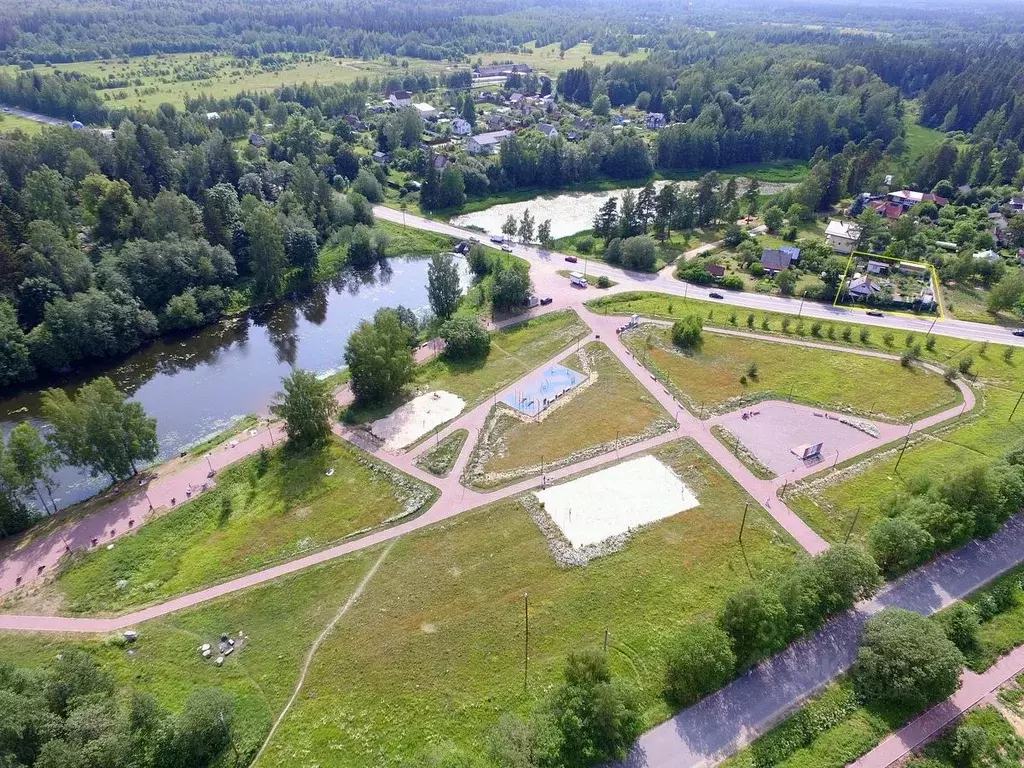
x: 888, y: 338
x: 639, y: 253
x: 750, y: 321
x: 754, y: 619
x: 700, y: 660
x: 465, y: 338
x: 865, y: 335
x: 752, y: 370
x: 733, y: 283
x: 756, y: 269
x: 906, y: 660
x: 847, y: 333
x: 604, y: 282
x: 965, y: 364
x: 816, y: 328
x: 821, y: 714
x: 961, y: 623
x: 687, y: 333
x: 613, y: 251
x: 585, y: 245
x: 898, y: 544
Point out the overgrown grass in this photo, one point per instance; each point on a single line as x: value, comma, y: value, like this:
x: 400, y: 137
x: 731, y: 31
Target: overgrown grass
x: 614, y: 409
x: 830, y: 731
x: 1002, y: 747
x: 440, y: 459
x: 433, y: 652
x: 729, y: 372
x: 292, y: 509
x: 243, y: 424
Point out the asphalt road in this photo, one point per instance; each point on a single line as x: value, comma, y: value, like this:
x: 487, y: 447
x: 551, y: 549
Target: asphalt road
x: 663, y: 282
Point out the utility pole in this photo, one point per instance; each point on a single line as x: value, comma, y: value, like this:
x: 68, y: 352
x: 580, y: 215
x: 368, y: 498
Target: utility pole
x: 271, y: 433
x: 743, y: 524
x: 1014, y: 407
x: 855, y: 516
x: 526, y: 648
x: 902, y: 450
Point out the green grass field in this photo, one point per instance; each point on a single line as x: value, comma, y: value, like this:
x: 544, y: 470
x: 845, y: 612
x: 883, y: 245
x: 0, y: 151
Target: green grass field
x: 615, y: 406
x: 717, y: 378
x: 10, y: 123
x: 433, y: 653
x: 1003, y: 745
x: 442, y: 457
x: 291, y: 510
x: 280, y: 619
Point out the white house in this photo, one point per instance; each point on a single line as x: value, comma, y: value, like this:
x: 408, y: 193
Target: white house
x: 485, y: 143
x: 461, y: 127
x: 547, y: 129
x: 989, y: 256
x: 842, y: 236
x: 400, y: 99
x: 426, y: 111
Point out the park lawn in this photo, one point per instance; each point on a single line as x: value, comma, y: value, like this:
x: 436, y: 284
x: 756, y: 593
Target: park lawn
x: 440, y: 459
x: 291, y: 510
x: 280, y: 620
x: 830, y: 731
x: 709, y: 380
x: 515, y: 351
x: 615, y: 409
x: 433, y: 652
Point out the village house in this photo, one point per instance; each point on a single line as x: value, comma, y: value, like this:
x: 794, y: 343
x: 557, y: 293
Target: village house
x: 486, y: 143
x: 461, y: 127
x: 354, y: 123
x: 717, y: 271
x: 399, y: 99
x: 877, y: 268
x: 427, y: 112
x: 774, y: 260
x: 257, y: 141
x: 989, y: 255
x: 655, y: 120
x: 862, y: 288
x: 842, y: 236
x: 547, y: 129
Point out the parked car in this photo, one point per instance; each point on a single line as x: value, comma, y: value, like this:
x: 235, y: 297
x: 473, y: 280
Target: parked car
x: 506, y: 248
x: 714, y: 295
x: 546, y: 300
x: 875, y: 313
x: 497, y: 239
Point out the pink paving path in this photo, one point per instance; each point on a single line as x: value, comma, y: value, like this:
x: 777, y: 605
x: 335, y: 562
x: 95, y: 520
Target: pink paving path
x: 455, y: 498
x: 973, y: 689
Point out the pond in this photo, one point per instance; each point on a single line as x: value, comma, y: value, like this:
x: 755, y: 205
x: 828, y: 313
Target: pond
x: 571, y: 212
x: 199, y: 385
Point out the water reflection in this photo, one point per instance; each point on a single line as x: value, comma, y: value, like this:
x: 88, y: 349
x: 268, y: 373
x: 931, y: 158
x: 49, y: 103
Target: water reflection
x: 198, y: 385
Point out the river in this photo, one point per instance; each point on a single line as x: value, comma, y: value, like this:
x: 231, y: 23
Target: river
x: 200, y: 385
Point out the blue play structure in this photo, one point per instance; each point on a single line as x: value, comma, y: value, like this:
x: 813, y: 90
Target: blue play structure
x: 536, y: 394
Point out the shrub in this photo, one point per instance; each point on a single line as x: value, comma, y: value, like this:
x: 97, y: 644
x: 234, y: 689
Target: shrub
x: 847, y: 333
x: 965, y: 364
x: 787, y: 321
x: 816, y: 328
x: 1007, y: 354
x: 764, y: 324
x: 898, y: 544
x: 865, y: 335
x: 743, y: 380
x: 908, y: 340
x: 929, y: 342
x: 821, y: 714
x: 754, y: 619
x: 687, y: 333
x: 700, y: 660
x: 732, y: 318
x: 604, y: 282
x: 906, y: 660
x: 831, y: 332
x: 733, y: 283
x: 756, y: 269
x: 908, y: 357
x: 961, y: 623
x: 888, y: 338
x: 752, y: 370
x: 613, y: 251
x: 639, y: 253
x: 751, y: 319
x: 970, y: 743
x: 585, y: 244
x: 465, y: 338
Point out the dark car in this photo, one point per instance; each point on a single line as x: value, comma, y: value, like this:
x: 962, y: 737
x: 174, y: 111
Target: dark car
x: 571, y: 259
x: 875, y: 313
x: 545, y: 301
x: 1019, y: 332
x: 715, y: 296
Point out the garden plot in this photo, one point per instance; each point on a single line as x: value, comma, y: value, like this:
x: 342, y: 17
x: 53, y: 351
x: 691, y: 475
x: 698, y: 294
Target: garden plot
x: 616, y: 500
x: 416, y: 418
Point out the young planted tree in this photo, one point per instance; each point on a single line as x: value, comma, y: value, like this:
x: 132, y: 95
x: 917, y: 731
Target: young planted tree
x: 510, y: 227
x: 307, y: 406
x: 443, y: 288
x: 100, y: 429
x: 526, y: 226
x: 544, y: 234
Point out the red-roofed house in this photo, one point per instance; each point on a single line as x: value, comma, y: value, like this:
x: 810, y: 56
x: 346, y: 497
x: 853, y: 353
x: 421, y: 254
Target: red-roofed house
x: 888, y: 209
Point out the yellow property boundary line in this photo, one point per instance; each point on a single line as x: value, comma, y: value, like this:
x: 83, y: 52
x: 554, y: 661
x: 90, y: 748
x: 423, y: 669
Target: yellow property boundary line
x: 934, y: 276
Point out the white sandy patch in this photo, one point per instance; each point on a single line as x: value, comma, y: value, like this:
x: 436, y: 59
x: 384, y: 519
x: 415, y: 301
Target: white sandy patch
x: 616, y: 500
x: 417, y: 418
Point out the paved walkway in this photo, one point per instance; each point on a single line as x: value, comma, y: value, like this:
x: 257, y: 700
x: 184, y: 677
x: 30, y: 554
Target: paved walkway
x: 974, y: 689
x: 730, y: 718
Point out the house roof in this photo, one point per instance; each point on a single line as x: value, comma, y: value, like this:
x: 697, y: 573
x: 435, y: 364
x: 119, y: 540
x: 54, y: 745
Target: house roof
x: 401, y: 95
x: 988, y: 255
x: 847, y: 230
x: 775, y: 259
x: 715, y: 270
x: 878, y: 266
x: 887, y: 209
x: 490, y: 139
x: 547, y: 129
x: 863, y: 286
